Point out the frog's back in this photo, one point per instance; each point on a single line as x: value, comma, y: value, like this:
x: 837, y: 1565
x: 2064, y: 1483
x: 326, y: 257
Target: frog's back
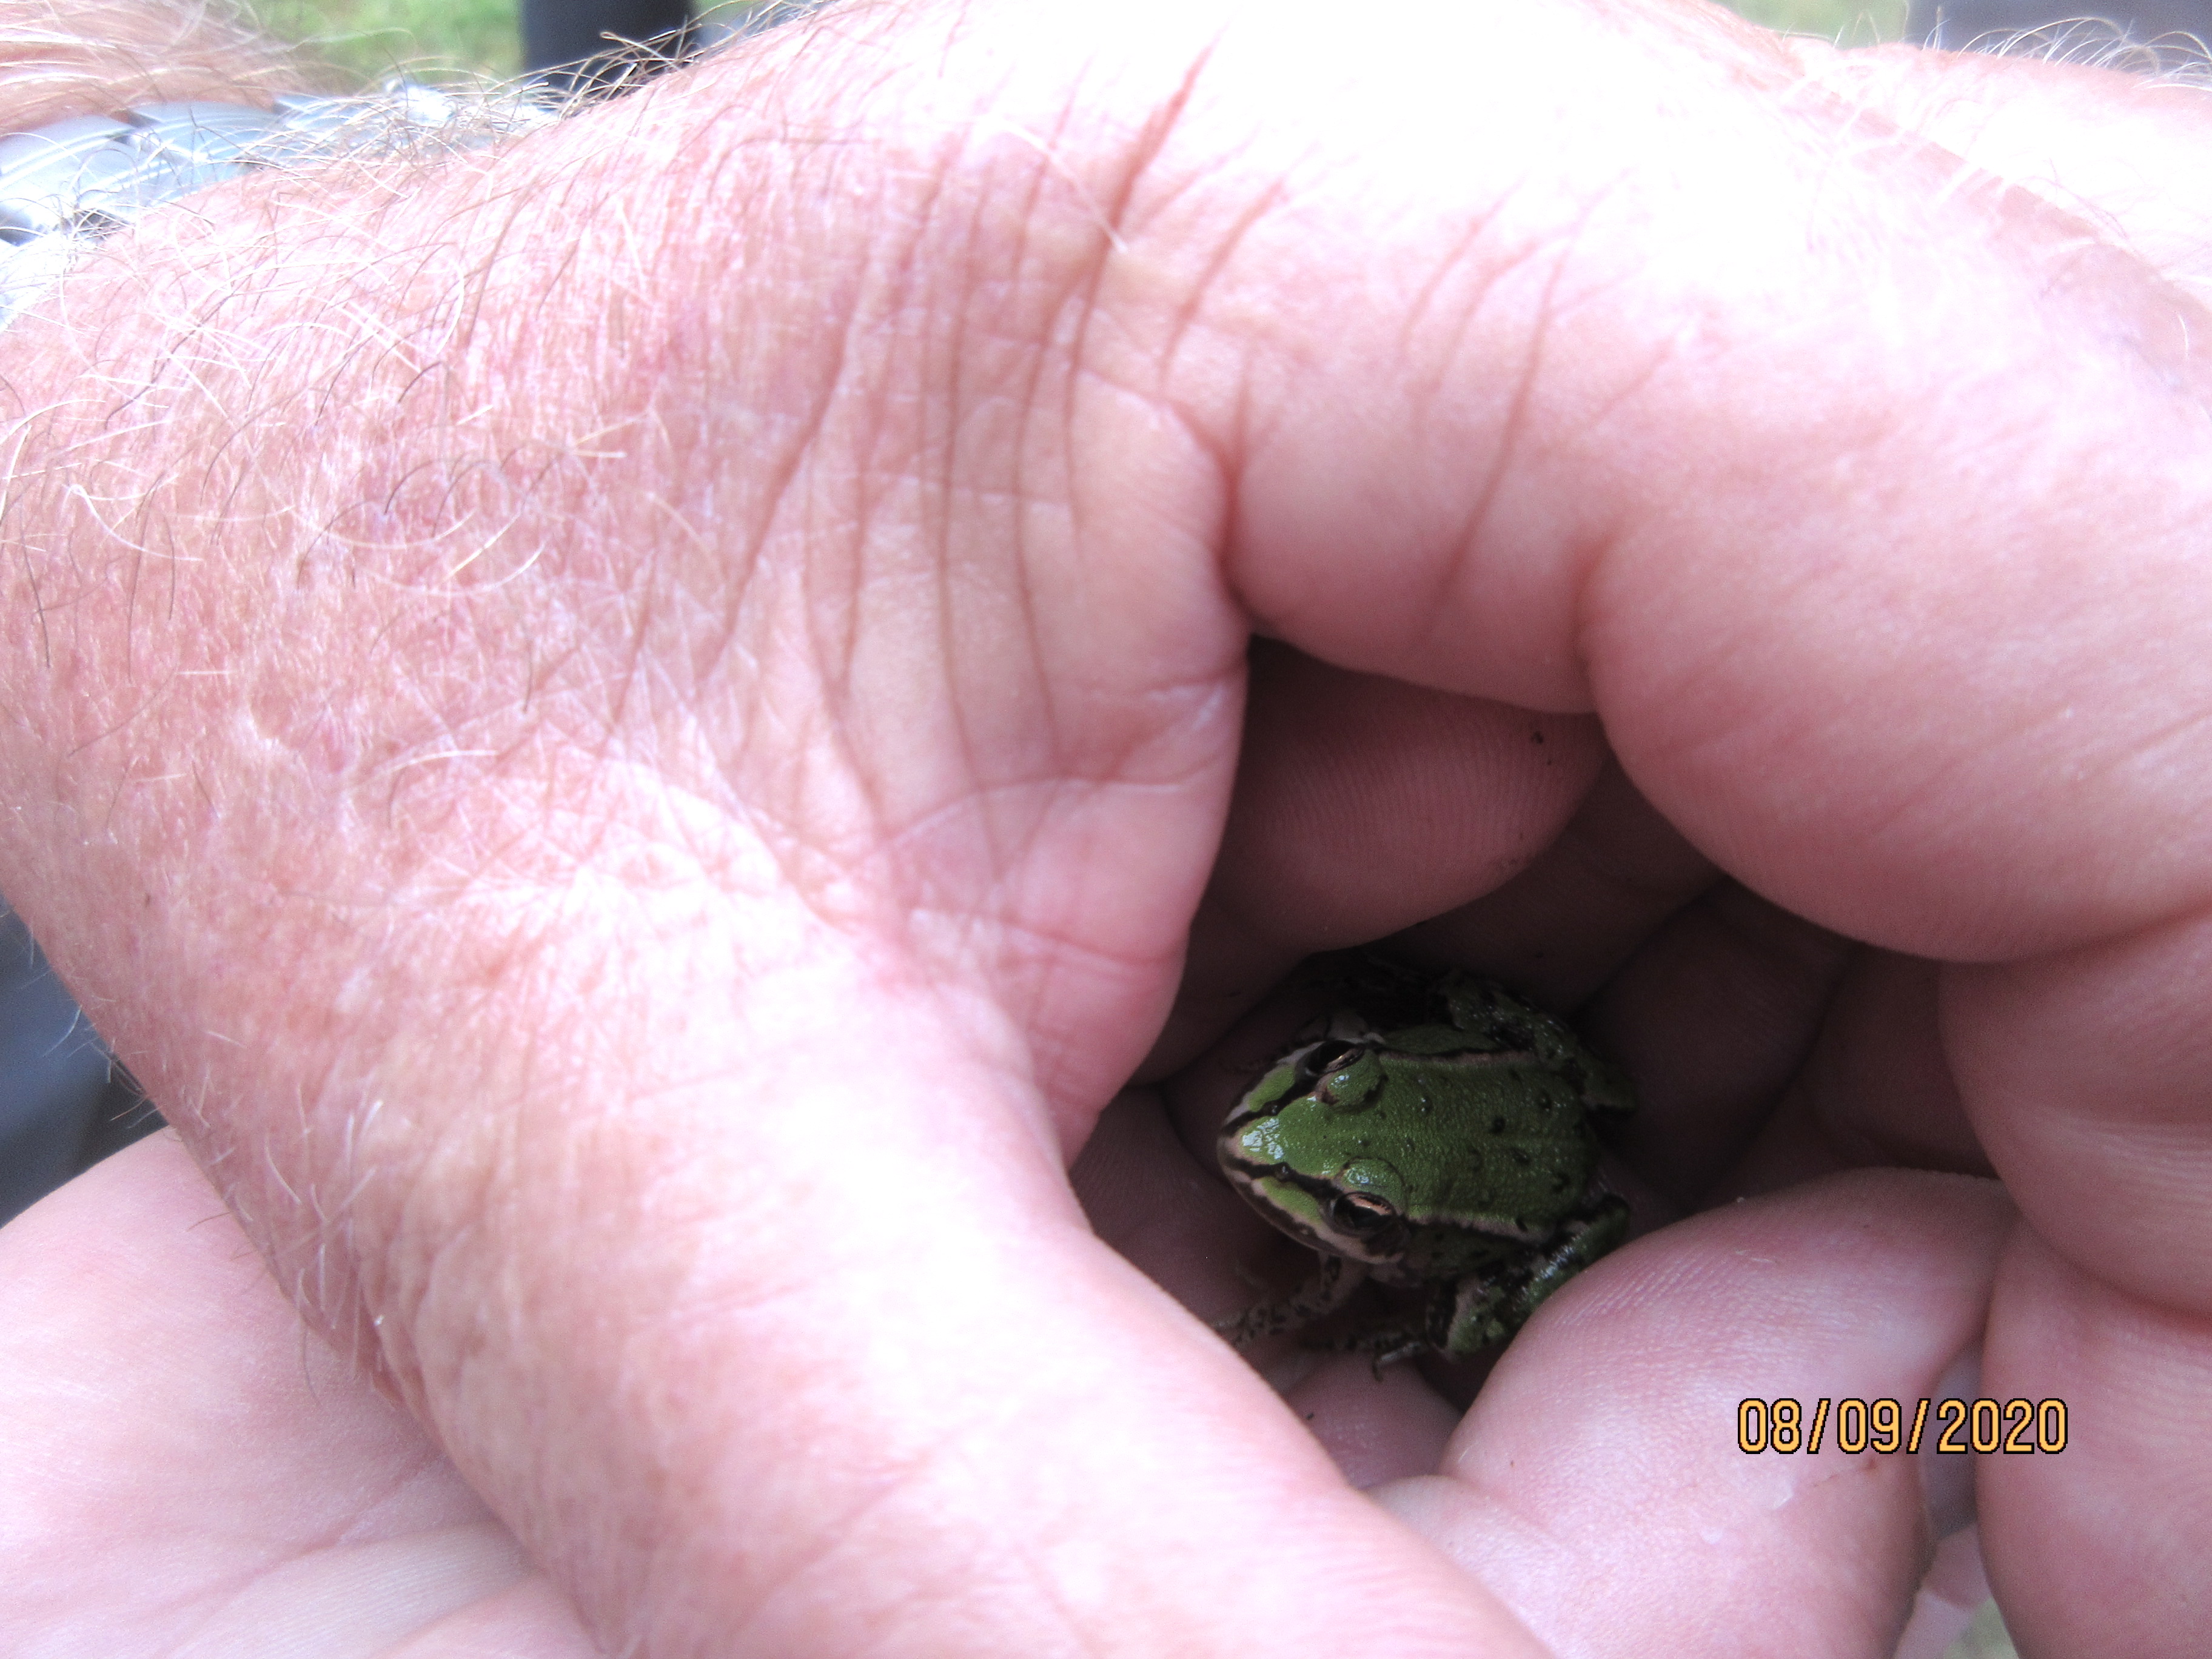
x: 1497, y: 1135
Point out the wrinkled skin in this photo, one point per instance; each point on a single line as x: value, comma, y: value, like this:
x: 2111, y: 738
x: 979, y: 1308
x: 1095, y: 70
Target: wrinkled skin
x: 635, y: 866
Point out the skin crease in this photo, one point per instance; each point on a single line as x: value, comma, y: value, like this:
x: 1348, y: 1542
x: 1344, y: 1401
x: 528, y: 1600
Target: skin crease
x: 634, y: 866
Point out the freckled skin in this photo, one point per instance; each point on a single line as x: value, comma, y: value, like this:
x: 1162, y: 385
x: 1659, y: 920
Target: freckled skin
x: 1438, y: 1132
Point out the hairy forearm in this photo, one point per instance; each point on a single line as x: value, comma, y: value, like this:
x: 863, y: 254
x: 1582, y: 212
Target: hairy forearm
x: 417, y: 766
x: 324, y: 574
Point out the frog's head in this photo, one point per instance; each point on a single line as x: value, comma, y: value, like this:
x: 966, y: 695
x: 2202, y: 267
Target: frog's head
x: 1294, y: 1149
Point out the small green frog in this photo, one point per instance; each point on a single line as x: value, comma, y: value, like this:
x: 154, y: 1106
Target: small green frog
x: 1438, y: 1133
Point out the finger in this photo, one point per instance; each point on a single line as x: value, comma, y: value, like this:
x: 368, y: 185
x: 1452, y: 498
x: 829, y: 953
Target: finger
x: 2103, y: 1548
x: 1919, y: 732
x: 1599, y: 1480
x: 191, y: 1472
x: 1713, y: 1017
x: 1363, y: 805
x: 2085, y: 1076
x: 1977, y: 841
x: 1764, y: 636
x: 1563, y: 925
x: 1178, y: 1223
x: 1875, y: 1090
x: 751, y: 1359
x: 1553, y: 931
x: 1169, y: 1213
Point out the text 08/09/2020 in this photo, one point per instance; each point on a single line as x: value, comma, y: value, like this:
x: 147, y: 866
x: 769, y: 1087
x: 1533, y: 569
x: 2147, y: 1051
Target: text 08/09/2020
x: 1887, y: 1425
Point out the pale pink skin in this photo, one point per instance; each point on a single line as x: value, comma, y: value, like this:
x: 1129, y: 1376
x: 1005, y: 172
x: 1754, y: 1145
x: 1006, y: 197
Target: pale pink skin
x: 633, y: 794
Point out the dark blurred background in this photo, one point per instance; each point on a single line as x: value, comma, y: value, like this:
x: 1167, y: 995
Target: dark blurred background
x: 1987, y: 24
x: 64, y: 1103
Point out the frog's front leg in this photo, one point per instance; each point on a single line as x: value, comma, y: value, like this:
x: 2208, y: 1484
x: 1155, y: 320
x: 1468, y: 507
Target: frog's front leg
x: 1488, y: 1308
x: 1328, y: 1288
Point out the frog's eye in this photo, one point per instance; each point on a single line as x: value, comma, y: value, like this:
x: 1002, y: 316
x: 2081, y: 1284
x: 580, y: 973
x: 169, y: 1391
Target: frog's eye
x: 1347, y: 1076
x: 1333, y: 1057
x: 1361, y: 1214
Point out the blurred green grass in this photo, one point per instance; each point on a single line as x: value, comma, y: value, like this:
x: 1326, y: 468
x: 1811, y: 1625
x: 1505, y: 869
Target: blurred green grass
x: 1849, y: 22
x: 373, y: 38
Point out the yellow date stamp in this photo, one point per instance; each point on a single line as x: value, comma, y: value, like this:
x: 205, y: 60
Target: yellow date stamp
x: 2010, y: 1426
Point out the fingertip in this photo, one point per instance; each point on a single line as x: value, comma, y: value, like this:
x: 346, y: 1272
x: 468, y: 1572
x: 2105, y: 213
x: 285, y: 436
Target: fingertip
x: 1623, y: 1400
x: 2099, y: 1532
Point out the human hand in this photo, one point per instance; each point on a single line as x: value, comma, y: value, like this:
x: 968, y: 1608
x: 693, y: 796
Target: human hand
x: 655, y: 751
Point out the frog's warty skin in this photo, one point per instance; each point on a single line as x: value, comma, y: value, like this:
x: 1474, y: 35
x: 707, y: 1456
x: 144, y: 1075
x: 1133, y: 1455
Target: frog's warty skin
x: 1441, y: 1135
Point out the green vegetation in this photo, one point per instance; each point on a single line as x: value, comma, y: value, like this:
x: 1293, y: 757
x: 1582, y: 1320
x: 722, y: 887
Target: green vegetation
x: 374, y: 37
x: 1849, y: 23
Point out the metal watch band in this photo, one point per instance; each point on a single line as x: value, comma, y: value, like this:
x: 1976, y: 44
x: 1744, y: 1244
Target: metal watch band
x: 64, y: 185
